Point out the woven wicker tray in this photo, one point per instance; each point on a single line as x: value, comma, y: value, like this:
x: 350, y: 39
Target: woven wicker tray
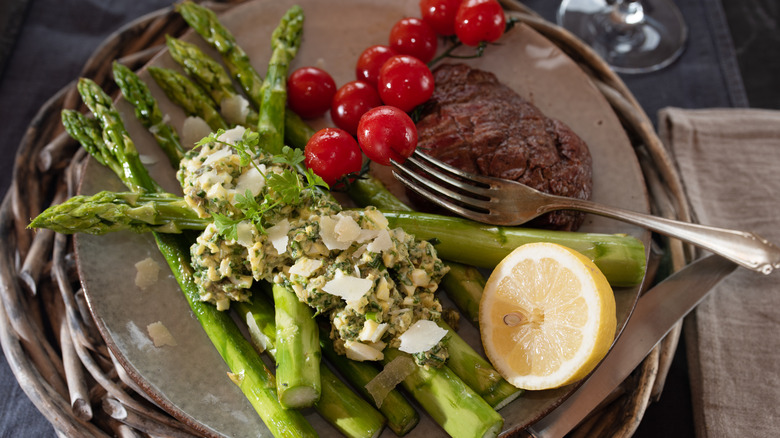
x: 47, y: 332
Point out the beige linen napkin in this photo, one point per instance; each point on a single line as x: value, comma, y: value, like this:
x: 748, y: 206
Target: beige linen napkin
x: 729, y: 160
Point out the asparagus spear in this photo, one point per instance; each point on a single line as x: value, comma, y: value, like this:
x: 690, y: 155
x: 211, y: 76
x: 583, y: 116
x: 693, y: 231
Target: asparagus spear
x: 257, y: 383
x: 401, y: 415
x: 620, y: 257
x: 449, y: 401
x: 208, y: 73
x: 464, y: 285
x: 205, y: 22
x: 148, y: 112
x: 297, y: 351
x: 338, y: 404
x: 189, y: 96
x: 119, y: 148
x: 285, y: 42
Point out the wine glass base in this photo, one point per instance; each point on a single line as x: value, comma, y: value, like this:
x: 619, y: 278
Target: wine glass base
x: 649, y: 45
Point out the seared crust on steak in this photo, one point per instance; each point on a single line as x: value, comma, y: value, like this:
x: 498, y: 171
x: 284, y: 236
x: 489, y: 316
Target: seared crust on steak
x: 479, y: 125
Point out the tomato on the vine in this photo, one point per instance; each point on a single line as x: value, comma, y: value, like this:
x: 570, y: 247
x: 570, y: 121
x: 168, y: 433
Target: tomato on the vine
x: 478, y: 21
x: 415, y: 37
x: 351, y: 101
x: 332, y: 154
x: 440, y: 15
x: 386, y: 133
x: 405, y: 82
x: 370, y: 61
x: 310, y: 91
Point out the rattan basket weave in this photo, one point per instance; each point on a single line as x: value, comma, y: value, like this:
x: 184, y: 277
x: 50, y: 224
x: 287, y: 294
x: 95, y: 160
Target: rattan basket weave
x: 47, y: 332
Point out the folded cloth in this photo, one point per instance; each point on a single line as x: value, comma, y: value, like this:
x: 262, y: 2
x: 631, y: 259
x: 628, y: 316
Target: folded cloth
x: 729, y: 161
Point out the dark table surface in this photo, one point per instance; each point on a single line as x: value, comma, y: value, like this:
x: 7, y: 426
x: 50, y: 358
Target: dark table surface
x: 731, y: 60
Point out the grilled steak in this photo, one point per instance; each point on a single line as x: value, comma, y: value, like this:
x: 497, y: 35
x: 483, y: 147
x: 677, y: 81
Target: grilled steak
x: 479, y: 125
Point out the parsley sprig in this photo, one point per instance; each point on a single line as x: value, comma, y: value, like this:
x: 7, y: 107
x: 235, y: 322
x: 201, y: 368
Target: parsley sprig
x: 284, y: 188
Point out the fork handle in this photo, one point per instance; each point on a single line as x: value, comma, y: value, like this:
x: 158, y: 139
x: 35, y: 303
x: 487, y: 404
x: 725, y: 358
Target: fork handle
x: 746, y: 249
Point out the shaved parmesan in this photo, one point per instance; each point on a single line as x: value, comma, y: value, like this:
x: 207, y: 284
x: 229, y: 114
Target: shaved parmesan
x: 391, y: 375
x: 216, y: 156
x: 244, y: 232
x: 232, y: 136
x: 377, y: 218
x: 147, y: 273
x: 329, y: 235
x: 347, y: 287
x: 277, y: 235
x: 359, y: 351
x: 251, y: 180
x: 305, y: 266
x: 160, y: 335
x: 421, y: 336
x: 382, y: 242
x: 235, y: 109
x: 346, y: 229
x: 259, y: 339
x: 193, y: 130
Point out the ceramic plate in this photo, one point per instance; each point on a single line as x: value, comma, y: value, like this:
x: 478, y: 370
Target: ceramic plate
x: 189, y: 379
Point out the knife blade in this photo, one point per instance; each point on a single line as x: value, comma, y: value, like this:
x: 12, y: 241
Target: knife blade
x: 656, y: 312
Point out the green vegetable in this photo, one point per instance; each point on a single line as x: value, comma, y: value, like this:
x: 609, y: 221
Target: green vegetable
x: 148, y: 112
x: 338, y: 404
x: 297, y: 351
x: 285, y: 41
x: 205, y: 22
x: 464, y: 285
x: 255, y: 380
x: 450, y: 402
x: 189, y: 96
x: 207, y: 72
x: 401, y: 415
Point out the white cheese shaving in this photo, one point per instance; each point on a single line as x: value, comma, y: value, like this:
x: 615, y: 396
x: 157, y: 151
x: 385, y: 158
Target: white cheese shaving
x: 251, y: 180
x: 160, y: 335
x: 346, y: 229
x: 259, y: 339
x: 235, y: 109
x: 421, y: 336
x: 147, y: 273
x: 277, y: 235
x: 305, y: 266
x: 328, y: 233
x: 347, y: 287
x: 232, y: 136
x: 193, y: 130
x: 244, y: 234
x: 382, y: 242
x: 217, y: 156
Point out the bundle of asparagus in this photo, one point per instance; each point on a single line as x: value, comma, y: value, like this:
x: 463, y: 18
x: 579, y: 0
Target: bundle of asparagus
x: 146, y: 209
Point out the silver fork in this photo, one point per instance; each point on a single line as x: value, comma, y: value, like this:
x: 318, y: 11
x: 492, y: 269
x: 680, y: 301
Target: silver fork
x: 503, y: 202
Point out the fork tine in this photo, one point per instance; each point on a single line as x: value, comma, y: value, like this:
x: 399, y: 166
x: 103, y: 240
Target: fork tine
x: 438, y: 168
x: 482, y: 216
x: 412, y: 179
x: 420, y: 157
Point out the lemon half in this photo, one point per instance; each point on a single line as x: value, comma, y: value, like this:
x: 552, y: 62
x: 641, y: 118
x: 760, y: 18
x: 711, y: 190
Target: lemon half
x: 546, y: 317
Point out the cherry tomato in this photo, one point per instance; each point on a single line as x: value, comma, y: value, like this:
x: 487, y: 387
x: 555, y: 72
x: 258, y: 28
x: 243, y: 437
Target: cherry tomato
x: 440, y: 15
x: 310, y: 91
x: 332, y: 153
x: 405, y: 82
x: 351, y: 101
x: 479, y: 20
x: 370, y: 61
x: 386, y: 133
x: 415, y: 37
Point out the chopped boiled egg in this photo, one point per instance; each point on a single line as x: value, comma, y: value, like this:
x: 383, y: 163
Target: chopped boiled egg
x: 359, y: 351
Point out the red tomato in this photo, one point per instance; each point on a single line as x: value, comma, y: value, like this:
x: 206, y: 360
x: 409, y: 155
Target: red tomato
x: 478, y: 21
x: 405, y: 82
x: 370, y: 61
x: 332, y: 153
x: 386, y: 133
x: 415, y: 37
x: 309, y: 92
x: 351, y: 101
x: 440, y: 15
